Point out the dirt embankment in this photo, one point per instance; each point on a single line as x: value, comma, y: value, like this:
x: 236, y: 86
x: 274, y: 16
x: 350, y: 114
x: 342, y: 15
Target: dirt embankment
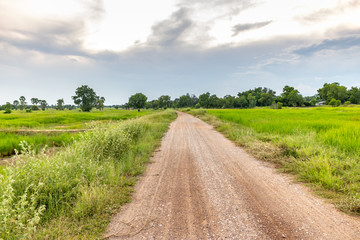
x: 201, y: 186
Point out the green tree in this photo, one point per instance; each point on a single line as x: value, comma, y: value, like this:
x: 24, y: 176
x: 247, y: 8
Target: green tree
x: 252, y: 100
x: 60, y: 104
x: 22, y: 102
x: 86, y: 98
x: 204, y: 100
x: 34, y: 101
x: 7, y: 107
x: 138, y: 101
x: 43, y: 104
x: 164, y: 101
x: 243, y: 102
x: 354, y: 95
x: 333, y: 90
x: 16, y: 104
x: 100, y: 103
x: 291, y: 97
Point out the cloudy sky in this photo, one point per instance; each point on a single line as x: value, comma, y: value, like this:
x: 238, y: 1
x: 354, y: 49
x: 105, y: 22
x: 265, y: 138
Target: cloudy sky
x: 118, y: 47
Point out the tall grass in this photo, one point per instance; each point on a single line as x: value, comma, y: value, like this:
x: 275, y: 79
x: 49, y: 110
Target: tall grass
x: 320, y: 145
x: 73, y: 193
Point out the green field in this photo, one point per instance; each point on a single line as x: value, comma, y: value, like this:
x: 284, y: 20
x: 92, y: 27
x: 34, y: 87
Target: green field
x: 73, y: 193
x: 320, y: 145
x: 20, y: 125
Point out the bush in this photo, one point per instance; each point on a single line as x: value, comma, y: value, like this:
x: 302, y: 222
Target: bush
x: 279, y: 105
x: 7, y: 111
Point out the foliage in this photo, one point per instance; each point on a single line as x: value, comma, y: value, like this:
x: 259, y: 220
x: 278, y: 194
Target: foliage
x: 22, y: 100
x: 164, y: 101
x: 60, y: 104
x: 137, y: 101
x: 333, y: 91
x: 86, y: 98
x: 335, y: 103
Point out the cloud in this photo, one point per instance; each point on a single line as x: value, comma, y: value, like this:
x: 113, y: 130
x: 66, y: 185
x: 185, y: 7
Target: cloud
x: 248, y: 26
x: 333, y: 44
x: 323, y: 14
x: 171, y: 31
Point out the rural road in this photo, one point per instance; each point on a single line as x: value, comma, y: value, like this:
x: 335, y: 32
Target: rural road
x: 201, y: 186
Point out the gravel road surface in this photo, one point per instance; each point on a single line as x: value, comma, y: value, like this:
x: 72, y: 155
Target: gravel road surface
x: 201, y: 186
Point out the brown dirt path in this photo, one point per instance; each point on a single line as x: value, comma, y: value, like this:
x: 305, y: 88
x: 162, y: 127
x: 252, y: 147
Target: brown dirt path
x: 201, y: 186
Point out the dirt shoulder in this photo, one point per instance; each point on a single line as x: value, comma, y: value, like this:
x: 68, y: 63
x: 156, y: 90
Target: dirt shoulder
x: 201, y: 186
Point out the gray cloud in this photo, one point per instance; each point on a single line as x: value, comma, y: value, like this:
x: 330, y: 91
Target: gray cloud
x: 333, y: 44
x: 51, y: 37
x: 172, y: 31
x: 248, y: 26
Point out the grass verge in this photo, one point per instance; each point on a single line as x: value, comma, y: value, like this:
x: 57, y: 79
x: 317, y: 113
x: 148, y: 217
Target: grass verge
x: 74, y: 193
x: 327, y: 168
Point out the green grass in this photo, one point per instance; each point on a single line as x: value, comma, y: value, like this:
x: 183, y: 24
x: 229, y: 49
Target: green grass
x: 15, y: 127
x: 320, y: 145
x: 52, y: 119
x: 74, y: 193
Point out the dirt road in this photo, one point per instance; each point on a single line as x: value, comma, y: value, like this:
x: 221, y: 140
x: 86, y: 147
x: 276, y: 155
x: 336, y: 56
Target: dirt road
x: 201, y: 186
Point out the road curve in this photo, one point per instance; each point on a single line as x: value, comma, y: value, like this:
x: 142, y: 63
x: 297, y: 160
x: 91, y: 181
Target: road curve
x: 201, y: 186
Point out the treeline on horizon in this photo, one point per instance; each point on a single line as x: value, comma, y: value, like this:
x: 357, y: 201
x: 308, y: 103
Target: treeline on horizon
x: 330, y: 94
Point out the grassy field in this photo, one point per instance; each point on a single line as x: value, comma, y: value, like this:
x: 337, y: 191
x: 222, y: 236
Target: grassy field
x: 320, y: 145
x: 73, y: 194
x: 20, y: 125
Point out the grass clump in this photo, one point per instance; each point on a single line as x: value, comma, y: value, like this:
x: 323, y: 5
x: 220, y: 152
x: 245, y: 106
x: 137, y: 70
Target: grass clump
x: 319, y: 145
x: 72, y: 194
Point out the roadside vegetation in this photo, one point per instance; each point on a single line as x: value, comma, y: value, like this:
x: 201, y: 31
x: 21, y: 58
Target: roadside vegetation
x: 73, y: 193
x: 320, y: 145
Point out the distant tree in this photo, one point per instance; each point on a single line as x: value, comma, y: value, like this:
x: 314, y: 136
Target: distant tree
x: 164, y: 101
x: 334, y: 102
x: 7, y: 108
x: 243, y: 102
x: 204, y: 100
x: 22, y: 102
x: 60, y: 104
x: 333, y: 90
x: 86, y: 98
x: 354, y: 95
x: 16, y: 104
x: 43, y: 104
x: 34, y: 101
x: 138, y: 101
x: 116, y: 107
x: 251, y: 100
x: 229, y: 102
x: 100, y: 103
x: 291, y: 97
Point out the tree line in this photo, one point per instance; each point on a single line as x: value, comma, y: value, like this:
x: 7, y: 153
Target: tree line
x: 86, y: 99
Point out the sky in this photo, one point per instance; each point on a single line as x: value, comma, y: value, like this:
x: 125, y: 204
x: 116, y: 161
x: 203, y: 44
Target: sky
x: 174, y: 47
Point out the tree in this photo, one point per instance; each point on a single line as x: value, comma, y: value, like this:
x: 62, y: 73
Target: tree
x: 291, y: 97
x: 86, y: 98
x: 22, y: 102
x: 16, y: 104
x: 164, y: 101
x: 100, y: 103
x: 7, y: 107
x: 60, y: 104
x: 333, y: 90
x: 252, y: 100
x: 354, y: 95
x: 204, y: 100
x: 43, y: 104
x: 34, y: 101
x: 334, y: 102
x: 243, y: 102
x: 138, y: 101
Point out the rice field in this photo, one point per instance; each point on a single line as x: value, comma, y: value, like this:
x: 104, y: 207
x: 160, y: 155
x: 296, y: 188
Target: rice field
x: 51, y: 128
x: 320, y: 145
